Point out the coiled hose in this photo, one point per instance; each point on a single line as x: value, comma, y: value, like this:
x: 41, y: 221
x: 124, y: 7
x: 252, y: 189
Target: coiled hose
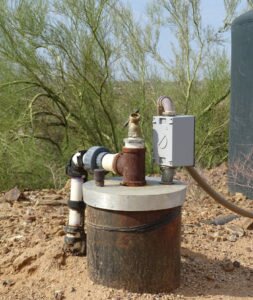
x: 217, y: 196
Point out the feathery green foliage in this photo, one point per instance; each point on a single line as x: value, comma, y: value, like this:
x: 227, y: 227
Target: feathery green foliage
x: 72, y: 71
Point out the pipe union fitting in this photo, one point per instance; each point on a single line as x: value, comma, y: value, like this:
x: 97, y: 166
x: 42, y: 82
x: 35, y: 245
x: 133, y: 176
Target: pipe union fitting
x: 90, y: 161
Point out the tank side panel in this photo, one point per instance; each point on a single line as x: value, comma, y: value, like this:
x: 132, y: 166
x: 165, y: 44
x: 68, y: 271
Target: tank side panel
x: 241, y: 108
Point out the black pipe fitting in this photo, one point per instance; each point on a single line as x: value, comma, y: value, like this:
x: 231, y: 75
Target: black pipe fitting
x: 76, y: 245
x: 77, y: 171
x: 75, y: 240
x: 76, y: 205
x: 73, y: 229
x: 71, y: 240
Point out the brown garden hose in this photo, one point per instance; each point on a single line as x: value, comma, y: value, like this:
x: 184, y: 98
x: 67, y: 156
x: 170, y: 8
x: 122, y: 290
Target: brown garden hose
x: 217, y: 196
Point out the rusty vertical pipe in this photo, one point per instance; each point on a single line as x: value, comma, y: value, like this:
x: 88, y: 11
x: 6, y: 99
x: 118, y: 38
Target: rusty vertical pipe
x: 130, y: 164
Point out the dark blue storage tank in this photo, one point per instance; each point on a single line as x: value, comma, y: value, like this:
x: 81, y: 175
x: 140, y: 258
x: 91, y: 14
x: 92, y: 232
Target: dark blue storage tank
x: 241, y: 114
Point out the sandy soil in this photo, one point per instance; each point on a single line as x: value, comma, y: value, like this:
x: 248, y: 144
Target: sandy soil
x: 217, y: 260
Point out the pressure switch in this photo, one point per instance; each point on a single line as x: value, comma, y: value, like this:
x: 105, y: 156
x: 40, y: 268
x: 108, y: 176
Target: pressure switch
x: 173, y: 140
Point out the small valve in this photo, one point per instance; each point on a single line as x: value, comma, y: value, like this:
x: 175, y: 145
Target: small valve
x: 133, y: 125
x: 134, y: 112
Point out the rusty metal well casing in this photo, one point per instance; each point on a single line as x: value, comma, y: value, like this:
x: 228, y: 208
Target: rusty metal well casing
x: 131, y: 165
x: 133, y: 235
x: 147, y: 260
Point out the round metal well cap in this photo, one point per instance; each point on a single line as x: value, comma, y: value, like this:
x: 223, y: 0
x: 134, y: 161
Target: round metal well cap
x: 153, y: 196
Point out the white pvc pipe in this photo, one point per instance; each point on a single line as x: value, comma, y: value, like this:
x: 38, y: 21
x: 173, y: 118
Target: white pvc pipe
x: 134, y: 143
x: 74, y: 217
x: 107, y: 162
x: 76, y: 194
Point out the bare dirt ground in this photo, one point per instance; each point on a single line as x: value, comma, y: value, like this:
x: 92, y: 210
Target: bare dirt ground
x: 217, y: 260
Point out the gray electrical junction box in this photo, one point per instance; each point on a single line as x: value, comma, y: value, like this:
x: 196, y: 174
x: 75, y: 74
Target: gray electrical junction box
x: 173, y: 140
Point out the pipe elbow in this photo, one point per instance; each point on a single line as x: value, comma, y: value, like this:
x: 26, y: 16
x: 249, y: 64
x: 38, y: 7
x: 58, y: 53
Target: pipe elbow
x: 165, y: 106
x: 74, y: 167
